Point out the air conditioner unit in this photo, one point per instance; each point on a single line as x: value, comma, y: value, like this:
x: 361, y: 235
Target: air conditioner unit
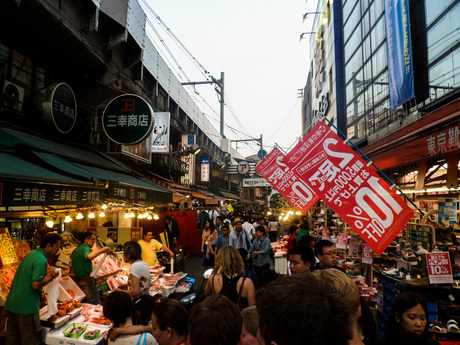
x: 13, y: 96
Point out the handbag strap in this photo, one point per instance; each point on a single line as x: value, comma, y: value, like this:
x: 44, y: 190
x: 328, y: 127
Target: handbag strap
x: 140, y: 338
x: 239, y: 293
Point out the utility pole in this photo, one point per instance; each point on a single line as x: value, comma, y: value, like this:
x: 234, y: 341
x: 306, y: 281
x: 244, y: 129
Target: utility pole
x: 253, y: 139
x: 220, y: 91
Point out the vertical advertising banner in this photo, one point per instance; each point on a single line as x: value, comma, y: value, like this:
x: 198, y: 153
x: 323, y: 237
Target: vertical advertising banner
x: 352, y: 189
x: 160, y: 133
x: 284, y: 180
x: 447, y: 211
x: 189, y: 177
x: 399, y: 51
x: 205, y: 169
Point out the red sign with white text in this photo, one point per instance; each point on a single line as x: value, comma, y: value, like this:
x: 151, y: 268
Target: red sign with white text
x: 342, y: 240
x: 295, y: 191
x: 439, y: 268
x: 352, y: 189
x: 326, y: 234
x: 368, y: 254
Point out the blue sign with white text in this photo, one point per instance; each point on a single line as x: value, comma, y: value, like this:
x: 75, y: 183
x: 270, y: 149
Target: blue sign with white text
x: 399, y: 51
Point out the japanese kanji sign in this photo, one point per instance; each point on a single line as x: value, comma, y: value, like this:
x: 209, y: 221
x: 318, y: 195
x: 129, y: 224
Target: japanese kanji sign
x: 286, y: 182
x: 342, y: 241
x: 439, y: 268
x: 368, y: 254
x: 353, y: 190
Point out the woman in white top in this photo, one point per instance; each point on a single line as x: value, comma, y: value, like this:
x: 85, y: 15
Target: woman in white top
x: 139, y: 274
x: 273, y: 226
x: 119, y: 307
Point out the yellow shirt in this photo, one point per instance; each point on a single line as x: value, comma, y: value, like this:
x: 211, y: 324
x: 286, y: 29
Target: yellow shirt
x: 149, y: 251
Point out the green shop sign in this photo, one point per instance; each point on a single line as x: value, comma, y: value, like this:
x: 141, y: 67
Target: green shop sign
x: 34, y: 194
x: 128, y: 119
x: 60, y: 107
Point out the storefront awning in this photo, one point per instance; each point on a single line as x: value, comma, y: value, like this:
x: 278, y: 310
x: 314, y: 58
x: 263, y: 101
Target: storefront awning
x: 229, y: 195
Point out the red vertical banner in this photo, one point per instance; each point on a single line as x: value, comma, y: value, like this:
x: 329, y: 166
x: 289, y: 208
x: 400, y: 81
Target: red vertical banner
x: 286, y: 182
x: 136, y: 233
x: 351, y: 188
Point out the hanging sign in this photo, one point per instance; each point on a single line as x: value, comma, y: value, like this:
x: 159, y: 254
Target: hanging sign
x: 439, y: 268
x: 60, y: 107
x: 205, y: 169
x: 342, y: 240
x: 128, y: 119
x: 349, y: 186
x: 368, y: 254
x: 286, y: 182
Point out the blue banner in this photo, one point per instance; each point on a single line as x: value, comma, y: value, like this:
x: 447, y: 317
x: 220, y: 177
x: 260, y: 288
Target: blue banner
x: 204, y: 159
x: 399, y: 49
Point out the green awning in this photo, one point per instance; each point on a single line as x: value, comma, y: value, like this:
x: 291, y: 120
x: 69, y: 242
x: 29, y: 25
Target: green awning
x: 229, y: 195
x: 13, y: 167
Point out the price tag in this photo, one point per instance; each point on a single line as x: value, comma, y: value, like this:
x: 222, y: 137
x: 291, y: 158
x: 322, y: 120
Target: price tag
x: 342, y: 240
x: 368, y: 254
x: 439, y: 268
x: 326, y: 234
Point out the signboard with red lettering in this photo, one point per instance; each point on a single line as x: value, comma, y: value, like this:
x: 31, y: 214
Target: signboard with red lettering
x: 349, y: 186
x: 286, y: 182
x: 136, y: 233
x: 342, y: 240
x: 439, y: 268
x: 326, y: 234
x: 368, y: 254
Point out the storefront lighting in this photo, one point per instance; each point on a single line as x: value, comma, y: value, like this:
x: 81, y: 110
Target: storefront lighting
x: 132, y: 214
x: 149, y: 217
x: 67, y: 219
x: 140, y: 215
x: 428, y: 190
x: 156, y: 217
x: 104, y: 206
x: 127, y: 215
x: 102, y: 214
x: 269, y: 213
x: 298, y: 213
x: 91, y: 215
x: 79, y: 215
x: 291, y: 212
x: 50, y: 222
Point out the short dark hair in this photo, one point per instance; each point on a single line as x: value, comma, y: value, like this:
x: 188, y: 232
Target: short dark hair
x: 145, y: 232
x: 306, y: 254
x: 216, y: 320
x: 118, y: 306
x: 220, y: 218
x: 132, y: 250
x: 143, y: 305
x: 293, y: 229
x: 306, y: 240
x: 265, y: 278
x: 52, y: 238
x: 85, y: 235
x: 313, y: 313
x: 168, y: 217
x: 322, y: 244
x: 404, y: 301
x: 225, y: 226
x: 261, y: 229
x: 171, y: 313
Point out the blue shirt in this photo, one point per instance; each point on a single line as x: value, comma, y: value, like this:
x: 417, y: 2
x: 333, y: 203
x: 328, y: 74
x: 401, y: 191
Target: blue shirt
x: 264, y: 247
x: 222, y: 241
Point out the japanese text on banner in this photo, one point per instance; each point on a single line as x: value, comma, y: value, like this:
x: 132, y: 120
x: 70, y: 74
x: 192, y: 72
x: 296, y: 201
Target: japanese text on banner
x: 286, y: 182
x: 352, y: 189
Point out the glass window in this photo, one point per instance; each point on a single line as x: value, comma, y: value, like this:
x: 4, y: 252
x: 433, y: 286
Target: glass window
x: 353, y: 22
x: 381, y: 116
x: 444, y: 34
x: 441, y: 76
x: 434, y: 8
x: 380, y: 87
x: 379, y: 60
x: 347, y: 8
x: 367, y: 69
x: 355, y: 63
x: 378, y: 34
x: 365, y: 24
x: 367, y: 48
x: 354, y: 87
x: 364, y: 5
x: 369, y: 99
x: 352, y: 44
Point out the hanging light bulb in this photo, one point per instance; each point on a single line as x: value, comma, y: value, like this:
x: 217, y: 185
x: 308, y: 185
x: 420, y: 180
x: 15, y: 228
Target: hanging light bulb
x: 140, y: 215
x: 67, y: 219
x: 50, y: 222
x: 132, y: 214
x: 127, y: 215
x: 149, y: 217
x: 156, y: 217
x: 91, y: 215
x: 102, y: 214
x: 104, y: 206
x: 79, y: 215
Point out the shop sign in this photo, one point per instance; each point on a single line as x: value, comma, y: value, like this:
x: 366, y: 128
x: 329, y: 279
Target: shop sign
x: 141, y: 151
x: 447, y: 211
x: 342, y: 240
x: 60, y: 107
x: 161, y: 133
x: 130, y: 193
x: 439, y: 268
x: 128, y: 119
x: 189, y: 177
x: 33, y: 194
x: 286, y: 181
x: 255, y: 182
x: 205, y: 169
x: 349, y: 186
x: 325, y: 234
x: 368, y: 254
x: 136, y: 233
x: 420, y: 236
x: 7, y: 252
x: 243, y: 168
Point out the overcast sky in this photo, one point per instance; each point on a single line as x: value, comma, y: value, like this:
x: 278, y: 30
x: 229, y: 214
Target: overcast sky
x: 256, y: 43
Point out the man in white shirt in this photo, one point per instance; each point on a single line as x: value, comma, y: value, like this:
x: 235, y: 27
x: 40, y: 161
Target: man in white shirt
x: 249, y: 228
x: 213, y: 215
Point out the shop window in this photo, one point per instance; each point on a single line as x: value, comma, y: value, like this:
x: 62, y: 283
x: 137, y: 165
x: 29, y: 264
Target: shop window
x: 351, y: 23
x: 444, y: 77
x: 354, y: 65
x: 348, y: 7
x: 378, y: 34
x: 354, y: 88
x: 380, y: 87
x: 379, y: 60
x: 353, y: 43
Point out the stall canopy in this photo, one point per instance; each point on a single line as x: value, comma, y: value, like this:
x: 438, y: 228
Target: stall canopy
x: 118, y: 181
x: 229, y: 195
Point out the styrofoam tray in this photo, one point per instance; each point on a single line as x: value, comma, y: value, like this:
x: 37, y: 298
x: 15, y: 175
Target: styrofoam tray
x: 68, y: 283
